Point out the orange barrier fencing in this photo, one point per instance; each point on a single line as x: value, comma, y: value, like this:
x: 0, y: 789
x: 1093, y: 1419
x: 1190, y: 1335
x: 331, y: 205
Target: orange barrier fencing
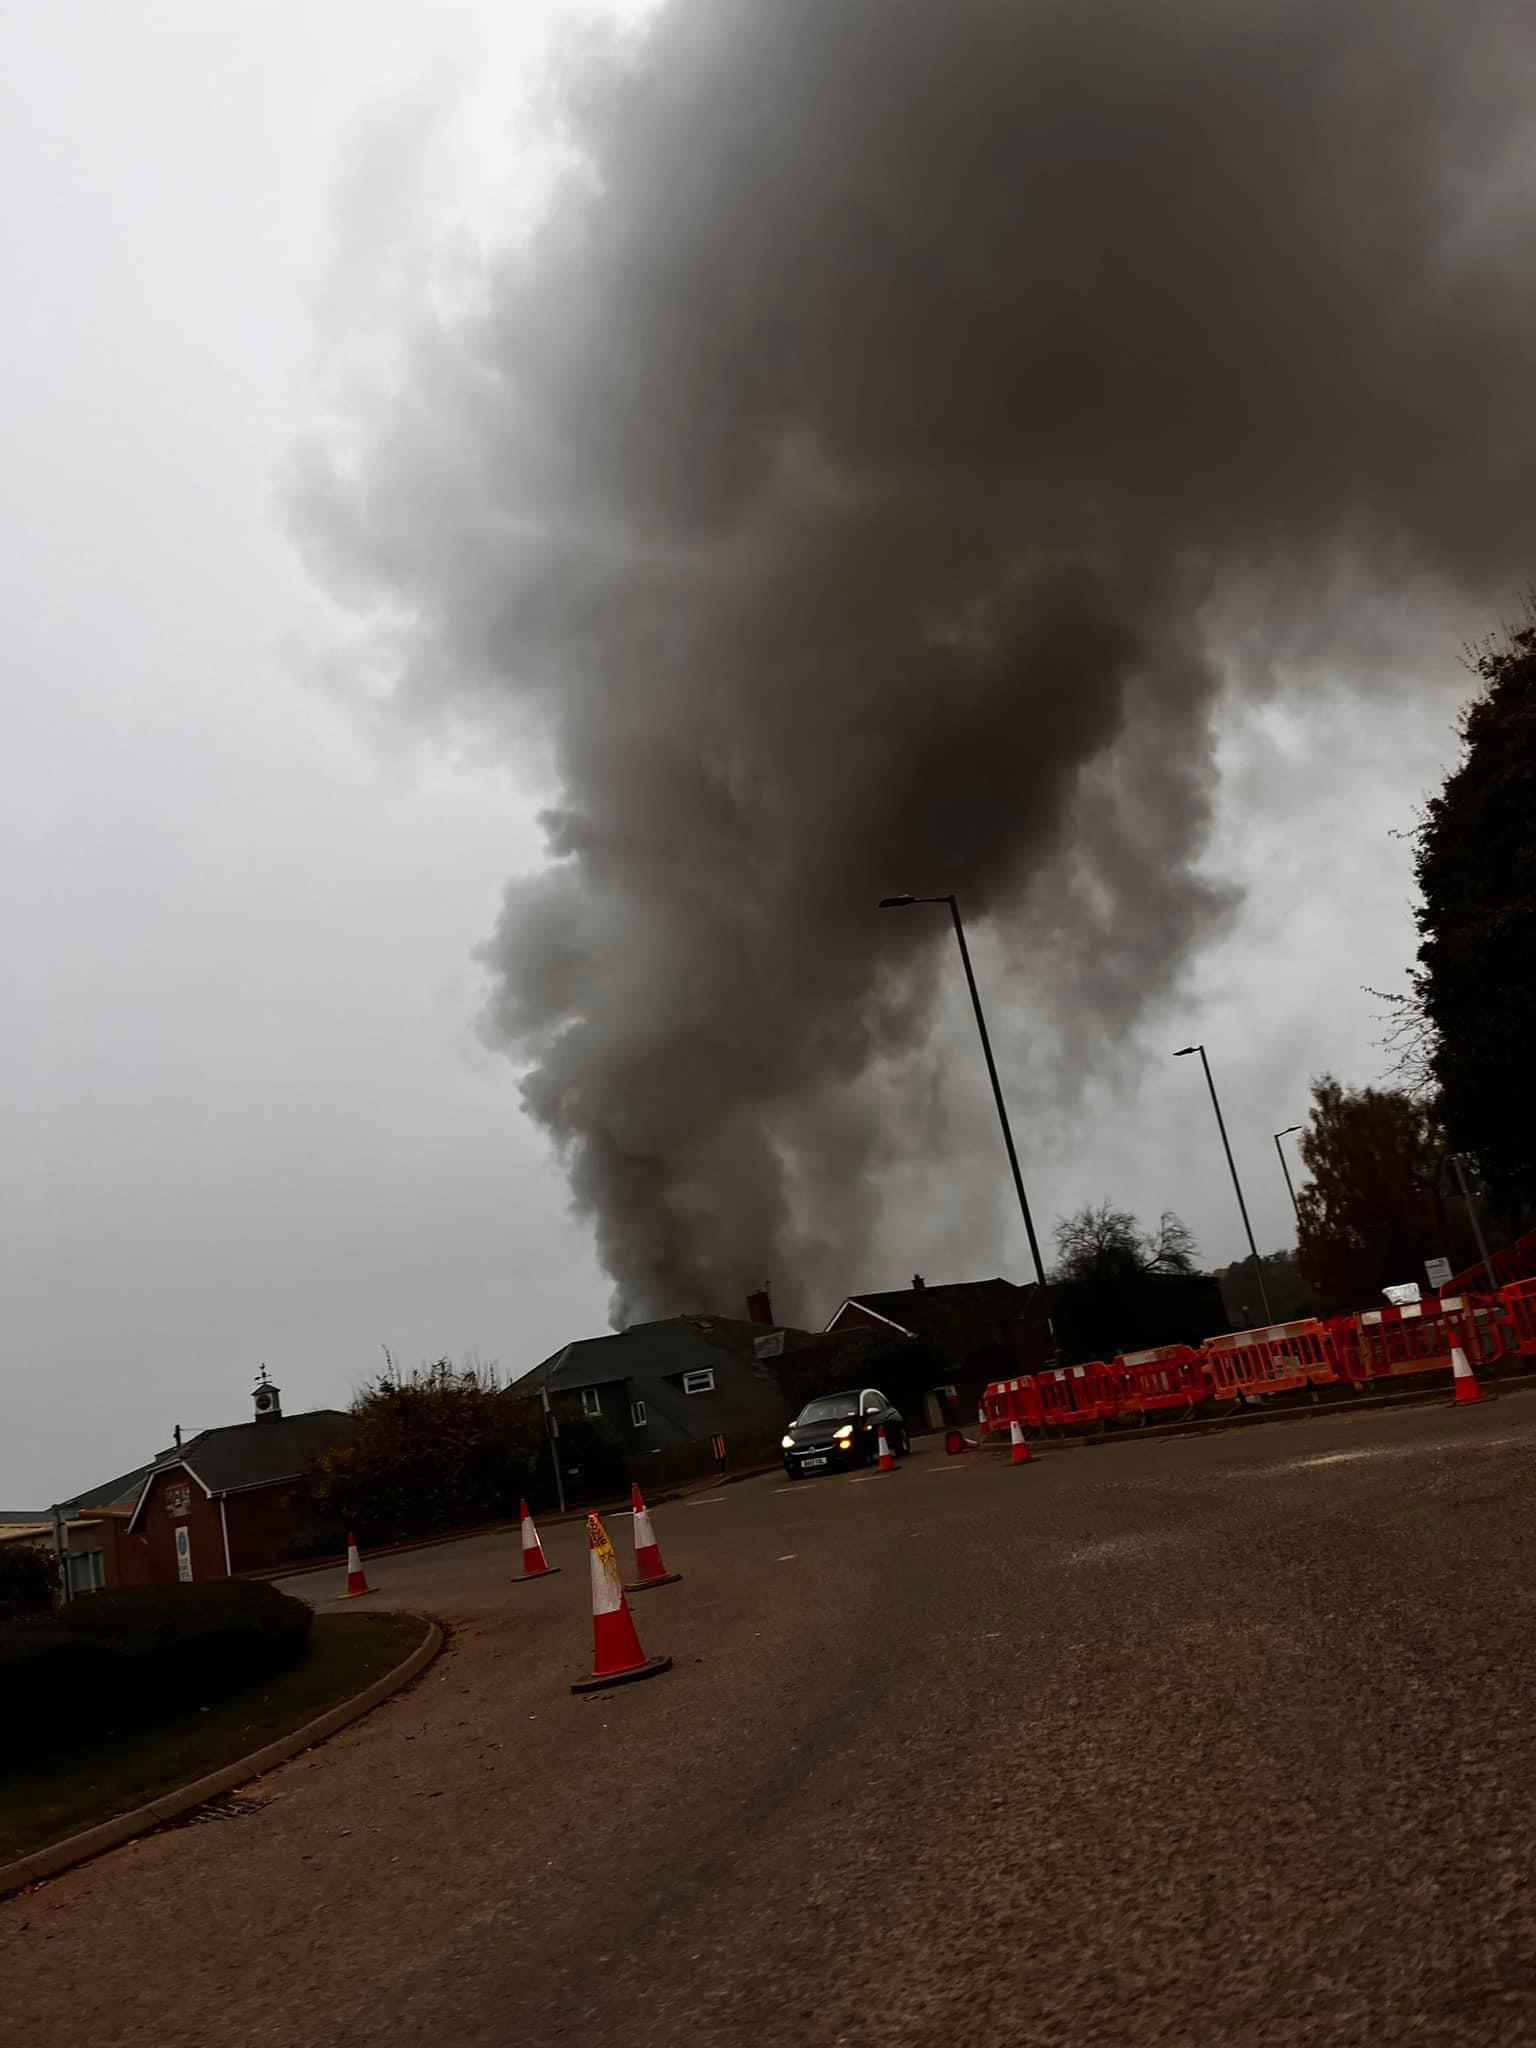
x: 1004, y: 1402
x: 1077, y: 1393
x: 1278, y: 1360
x: 1518, y: 1304
x: 1391, y: 1343
x: 1167, y: 1376
x: 1380, y: 1343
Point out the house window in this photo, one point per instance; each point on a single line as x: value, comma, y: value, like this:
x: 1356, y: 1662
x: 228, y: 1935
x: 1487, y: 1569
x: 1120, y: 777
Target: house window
x: 702, y: 1382
x: 87, y: 1571
x: 591, y: 1401
x: 637, y: 1414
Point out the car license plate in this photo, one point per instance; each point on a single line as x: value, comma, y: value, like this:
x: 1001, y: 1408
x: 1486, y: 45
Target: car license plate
x: 807, y: 1463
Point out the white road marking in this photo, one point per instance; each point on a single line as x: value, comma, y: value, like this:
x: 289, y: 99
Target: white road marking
x: 1412, y: 1450
x: 711, y: 1500
x: 788, y: 1557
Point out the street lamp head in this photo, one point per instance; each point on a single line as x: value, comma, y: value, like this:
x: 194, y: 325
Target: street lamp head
x: 895, y: 902
x: 1288, y: 1130
x: 1185, y: 1050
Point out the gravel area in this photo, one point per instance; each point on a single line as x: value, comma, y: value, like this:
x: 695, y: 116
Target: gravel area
x: 1224, y: 1741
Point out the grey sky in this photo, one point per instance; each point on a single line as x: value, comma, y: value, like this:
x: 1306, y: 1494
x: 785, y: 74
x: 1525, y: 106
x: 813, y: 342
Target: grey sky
x: 246, y: 1114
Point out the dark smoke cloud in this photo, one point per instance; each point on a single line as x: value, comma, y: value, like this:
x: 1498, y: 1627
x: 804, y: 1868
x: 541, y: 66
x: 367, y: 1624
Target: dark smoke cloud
x: 842, y: 485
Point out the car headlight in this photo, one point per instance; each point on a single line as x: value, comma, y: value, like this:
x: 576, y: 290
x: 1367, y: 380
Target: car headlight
x: 843, y: 1435
x: 787, y: 1443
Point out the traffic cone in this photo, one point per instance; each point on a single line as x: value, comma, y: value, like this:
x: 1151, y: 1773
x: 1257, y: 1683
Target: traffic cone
x: 956, y: 1444
x: 357, y: 1584
x: 1020, y: 1454
x: 617, y: 1658
x: 535, y: 1564
x: 887, y: 1462
x: 1464, y: 1385
x: 649, y: 1569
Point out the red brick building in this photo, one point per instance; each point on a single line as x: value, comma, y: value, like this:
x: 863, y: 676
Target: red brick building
x: 221, y: 1503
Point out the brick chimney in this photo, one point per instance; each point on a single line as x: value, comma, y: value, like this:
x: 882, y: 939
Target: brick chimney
x: 918, y: 1283
x: 759, y: 1307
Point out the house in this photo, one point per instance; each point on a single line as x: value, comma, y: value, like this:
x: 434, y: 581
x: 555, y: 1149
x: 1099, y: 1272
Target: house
x: 90, y: 1536
x: 221, y: 1503
x: 683, y: 1380
x: 215, y: 1504
x: 972, y: 1330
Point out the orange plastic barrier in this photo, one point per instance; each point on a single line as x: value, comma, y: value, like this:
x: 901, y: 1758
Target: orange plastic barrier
x: 1077, y: 1393
x: 1166, y: 1376
x: 1390, y: 1343
x: 1008, y: 1401
x: 1518, y: 1307
x: 1278, y: 1360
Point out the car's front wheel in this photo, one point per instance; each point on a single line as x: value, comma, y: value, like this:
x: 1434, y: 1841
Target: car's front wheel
x: 794, y: 1471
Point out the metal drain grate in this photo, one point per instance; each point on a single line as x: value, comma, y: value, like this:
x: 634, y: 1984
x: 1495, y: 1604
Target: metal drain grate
x: 230, y: 1807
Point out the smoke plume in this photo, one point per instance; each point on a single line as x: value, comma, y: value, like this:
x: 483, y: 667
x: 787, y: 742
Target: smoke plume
x: 840, y: 485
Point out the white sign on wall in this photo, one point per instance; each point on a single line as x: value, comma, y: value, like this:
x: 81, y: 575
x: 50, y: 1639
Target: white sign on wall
x: 183, y: 1552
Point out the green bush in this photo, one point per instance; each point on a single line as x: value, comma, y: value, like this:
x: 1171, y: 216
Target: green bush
x: 119, y: 1659
x: 443, y: 1447
x: 29, y: 1579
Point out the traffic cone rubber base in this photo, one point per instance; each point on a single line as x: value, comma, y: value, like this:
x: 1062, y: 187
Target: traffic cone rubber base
x: 1019, y: 1453
x: 645, y: 1585
x: 361, y: 1593
x: 651, y: 1668
x: 550, y: 1571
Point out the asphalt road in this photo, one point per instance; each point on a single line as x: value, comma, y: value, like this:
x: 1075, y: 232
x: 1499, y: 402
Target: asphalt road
x: 1226, y: 1741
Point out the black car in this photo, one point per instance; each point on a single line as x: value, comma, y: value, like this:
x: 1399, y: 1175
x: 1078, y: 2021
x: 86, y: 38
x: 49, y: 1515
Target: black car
x: 842, y: 1430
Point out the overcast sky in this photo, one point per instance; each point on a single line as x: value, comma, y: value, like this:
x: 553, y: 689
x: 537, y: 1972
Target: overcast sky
x: 247, y: 1117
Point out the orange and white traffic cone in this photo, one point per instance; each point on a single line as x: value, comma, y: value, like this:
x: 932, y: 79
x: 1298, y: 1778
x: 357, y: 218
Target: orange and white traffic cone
x: 1464, y: 1385
x: 357, y: 1584
x: 535, y: 1564
x: 1020, y: 1453
x: 617, y: 1658
x: 649, y: 1568
x: 886, y: 1462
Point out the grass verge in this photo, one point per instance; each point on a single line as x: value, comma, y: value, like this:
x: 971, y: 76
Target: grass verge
x: 43, y: 1801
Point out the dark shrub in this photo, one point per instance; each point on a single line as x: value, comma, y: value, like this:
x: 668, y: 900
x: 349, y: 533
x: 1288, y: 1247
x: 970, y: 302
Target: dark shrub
x: 119, y: 1659
x: 437, y: 1448
x: 29, y: 1579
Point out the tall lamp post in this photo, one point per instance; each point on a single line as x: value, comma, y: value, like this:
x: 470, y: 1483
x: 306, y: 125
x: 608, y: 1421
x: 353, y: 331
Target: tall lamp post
x: 1280, y: 1155
x: 902, y: 903
x: 1183, y: 1053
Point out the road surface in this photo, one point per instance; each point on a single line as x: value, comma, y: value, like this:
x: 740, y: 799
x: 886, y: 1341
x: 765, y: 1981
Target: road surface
x: 1225, y: 1741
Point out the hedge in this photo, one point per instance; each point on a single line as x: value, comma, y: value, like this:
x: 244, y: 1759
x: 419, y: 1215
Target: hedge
x: 29, y: 1579
x: 140, y: 1653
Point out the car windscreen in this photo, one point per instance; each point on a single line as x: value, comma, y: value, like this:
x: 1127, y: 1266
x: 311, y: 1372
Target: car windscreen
x: 835, y: 1408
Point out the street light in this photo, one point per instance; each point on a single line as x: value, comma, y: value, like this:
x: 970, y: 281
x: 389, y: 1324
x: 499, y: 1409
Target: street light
x: 902, y: 903
x: 1289, y: 1187
x: 1183, y: 1053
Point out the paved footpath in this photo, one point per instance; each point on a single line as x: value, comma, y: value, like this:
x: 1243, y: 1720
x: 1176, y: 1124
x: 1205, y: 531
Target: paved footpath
x: 1222, y: 1742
